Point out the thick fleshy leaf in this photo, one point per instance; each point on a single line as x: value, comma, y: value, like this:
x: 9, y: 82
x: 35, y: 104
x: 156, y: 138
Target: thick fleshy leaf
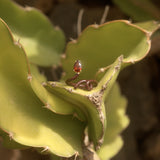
x: 22, y: 114
x: 51, y: 101
x: 42, y: 42
x: 7, y: 142
x: 111, y: 149
x: 98, y: 47
x: 89, y: 105
x: 139, y: 10
x: 84, y: 108
x: 116, y: 121
x: 149, y: 26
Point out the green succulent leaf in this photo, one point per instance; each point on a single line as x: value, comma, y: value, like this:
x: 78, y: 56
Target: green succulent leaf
x: 51, y: 101
x: 110, y: 149
x: 22, y: 114
x: 99, y: 46
x: 85, y: 110
x: 139, y: 10
x: 149, y: 26
x: 42, y: 42
x: 89, y: 105
x: 116, y: 122
x: 7, y: 142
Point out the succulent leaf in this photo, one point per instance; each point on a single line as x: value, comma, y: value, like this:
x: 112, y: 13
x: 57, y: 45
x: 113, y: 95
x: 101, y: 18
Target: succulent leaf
x: 89, y: 105
x: 116, y: 122
x: 149, y: 26
x: 98, y: 47
x: 42, y: 42
x: 51, y: 101
x: 22, y: 115
x: 110, y: 149
x: 7, y: 141
x: 23, y: 96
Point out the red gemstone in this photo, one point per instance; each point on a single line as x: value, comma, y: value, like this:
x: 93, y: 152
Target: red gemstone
x: 77, y: 66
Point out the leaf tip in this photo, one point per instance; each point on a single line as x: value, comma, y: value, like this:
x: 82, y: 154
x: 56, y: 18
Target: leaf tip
x: 98, y: 146
x: 74, y: 115
x: 63, y: 56
x: 44, y: 84
x: 73, y: 40
x: 28, y: 9
x: 45, y: 149
x: 53, y: 84
x: 132, y: 61
x: 148, y: 34
x: 10, y: 136
x: 95, y: 26
x: 120, y: 58
x: 17, y: 43
x: 101, y: 70
x: 48, y: 106
x: 70, y: 90
x: 128, y: 21
x: 149, y: 42
x: 29, y: 77
x: 76, y: 155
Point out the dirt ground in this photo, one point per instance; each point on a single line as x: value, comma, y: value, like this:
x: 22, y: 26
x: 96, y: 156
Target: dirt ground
x: 140, y: 83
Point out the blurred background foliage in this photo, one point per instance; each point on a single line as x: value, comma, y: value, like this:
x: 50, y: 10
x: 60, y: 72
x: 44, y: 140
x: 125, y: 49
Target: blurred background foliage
x: 139, y: 83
